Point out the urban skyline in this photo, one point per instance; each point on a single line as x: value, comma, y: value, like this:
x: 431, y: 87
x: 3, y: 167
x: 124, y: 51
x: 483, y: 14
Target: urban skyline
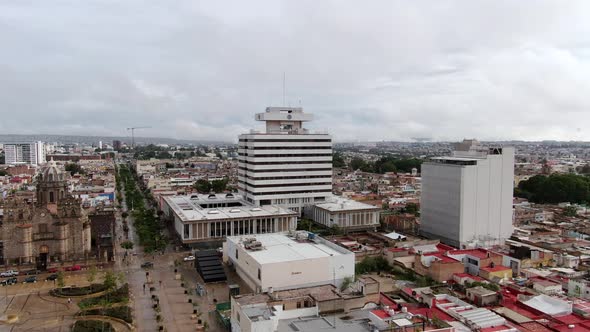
x: 386, y: 70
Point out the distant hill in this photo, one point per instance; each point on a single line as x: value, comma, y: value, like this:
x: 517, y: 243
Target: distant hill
x: 67, y: 139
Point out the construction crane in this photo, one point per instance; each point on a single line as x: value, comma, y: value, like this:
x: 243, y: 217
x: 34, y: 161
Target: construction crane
x: 133, y: 135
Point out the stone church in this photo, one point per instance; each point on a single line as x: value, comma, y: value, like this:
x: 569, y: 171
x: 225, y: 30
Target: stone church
x: 52, y: 228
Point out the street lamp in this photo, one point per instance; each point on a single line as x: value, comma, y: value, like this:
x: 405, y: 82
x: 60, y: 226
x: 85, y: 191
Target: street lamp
x: 334, y: 313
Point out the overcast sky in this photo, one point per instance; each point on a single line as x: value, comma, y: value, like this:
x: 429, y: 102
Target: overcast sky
x: 367, y: 70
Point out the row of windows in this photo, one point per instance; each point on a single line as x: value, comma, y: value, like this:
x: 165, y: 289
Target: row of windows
x: 286, y: 148
x: 285, y: 162
x: 285, y: 140
x: 285, y: 155
x: 288, y: 177
x: 280, y: 185
x: 289, y: 192
x: 284, y: 170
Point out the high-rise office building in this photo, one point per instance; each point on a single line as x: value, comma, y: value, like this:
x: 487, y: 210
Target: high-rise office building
x: 117, y: 145
x: 25, y: 153
x: 287, y: 164
x: 467, y: 197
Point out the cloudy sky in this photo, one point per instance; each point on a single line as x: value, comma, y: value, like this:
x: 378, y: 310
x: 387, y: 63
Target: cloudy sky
x: 367, y: 70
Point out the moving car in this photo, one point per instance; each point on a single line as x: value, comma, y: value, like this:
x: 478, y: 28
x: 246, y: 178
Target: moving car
x: 74, y: 268
x: 30, y: 279
x: 189, y: 258
x: 9, y: 273
x: 147, y: 265
x: 9, y: 281
x: 51, y: 277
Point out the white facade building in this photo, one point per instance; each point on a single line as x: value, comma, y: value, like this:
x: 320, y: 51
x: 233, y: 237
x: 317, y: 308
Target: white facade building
x: 25, y: 153
x: 286, y: 165
x: 299, y: 259
x: 467, y: 198
x: 199, y: 218
x: 345, y: 213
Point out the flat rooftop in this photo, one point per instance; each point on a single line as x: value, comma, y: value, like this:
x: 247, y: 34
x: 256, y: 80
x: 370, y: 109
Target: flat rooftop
x: 336, y: 204
x: 190, y: 208
x: 280, y: 247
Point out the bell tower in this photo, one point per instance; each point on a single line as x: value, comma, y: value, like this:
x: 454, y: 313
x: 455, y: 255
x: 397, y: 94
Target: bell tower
x: 51, y: 185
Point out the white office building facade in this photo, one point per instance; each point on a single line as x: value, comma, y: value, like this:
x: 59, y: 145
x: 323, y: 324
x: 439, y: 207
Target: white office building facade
x: 466, y: 198
x: 25, y: 153
x: 286, y: 165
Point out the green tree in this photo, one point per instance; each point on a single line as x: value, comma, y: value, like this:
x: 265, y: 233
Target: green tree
x: 203, y: 186
x: 74, y: 168
x: 3, y: 172
x: 357, y: 163
x: 60, y: 279
x: 91, y: 275
x: 412, y: 208
x: 346, y: 282
x: 127, y: 245
x: 570, y: 211
x: 219, y: 186
x: 337, y: 160
x: 110, y: 281
x: 584, y: 169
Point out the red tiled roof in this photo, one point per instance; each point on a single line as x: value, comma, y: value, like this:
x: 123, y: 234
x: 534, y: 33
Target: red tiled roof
x: 495, y: 268
x: 397, y: 249
x: 380, y: 313
x: 432, y: 312
x: 569, y: 319
x: 479, y: 253
x: 442, y: 258
x: 535, y: 327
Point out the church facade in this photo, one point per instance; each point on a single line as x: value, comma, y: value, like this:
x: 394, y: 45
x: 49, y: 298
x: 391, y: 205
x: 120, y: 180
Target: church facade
x: 53, y: 228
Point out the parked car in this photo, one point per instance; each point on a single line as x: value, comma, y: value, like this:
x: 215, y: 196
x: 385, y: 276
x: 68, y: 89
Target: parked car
x: 147, y: 265
x: 52, y: 270
x: 51, y: 277
x: 30, y: 279
x: 74, y: 268
x: 189, y: 258
x: 8, y: 281
x: 32, y: 272
x: 9, y: 273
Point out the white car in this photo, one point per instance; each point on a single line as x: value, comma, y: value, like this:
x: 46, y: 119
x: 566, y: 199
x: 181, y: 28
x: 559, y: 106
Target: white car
x: 189, y: 258
x: 9, y: 273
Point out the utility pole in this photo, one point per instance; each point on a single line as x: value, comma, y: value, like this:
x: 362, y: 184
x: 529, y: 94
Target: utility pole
x: 133, y: 134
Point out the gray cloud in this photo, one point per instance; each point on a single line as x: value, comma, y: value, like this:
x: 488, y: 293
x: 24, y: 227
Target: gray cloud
x: 376, y: 70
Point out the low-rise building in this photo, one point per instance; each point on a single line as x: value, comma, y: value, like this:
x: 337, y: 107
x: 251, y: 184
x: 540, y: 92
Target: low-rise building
x: 546, y: 286
x: 347, y: 214
x: 496, y: 271
x: 200, y: 218
x: 268, y: 262
x: 482, y: 296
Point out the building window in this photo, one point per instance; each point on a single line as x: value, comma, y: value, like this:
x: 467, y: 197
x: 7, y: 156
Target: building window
x: 186, y: 231
x: 51, y: 198
x: 236, y: 254
x: 259, y: 275
x: 298, y: 305
x: 42, y: 228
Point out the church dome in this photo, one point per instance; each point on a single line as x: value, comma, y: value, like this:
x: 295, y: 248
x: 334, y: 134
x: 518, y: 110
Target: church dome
x: 50, y: 172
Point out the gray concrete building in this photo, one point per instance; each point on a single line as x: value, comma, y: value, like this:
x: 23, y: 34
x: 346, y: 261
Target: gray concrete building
x: 466, y: 198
